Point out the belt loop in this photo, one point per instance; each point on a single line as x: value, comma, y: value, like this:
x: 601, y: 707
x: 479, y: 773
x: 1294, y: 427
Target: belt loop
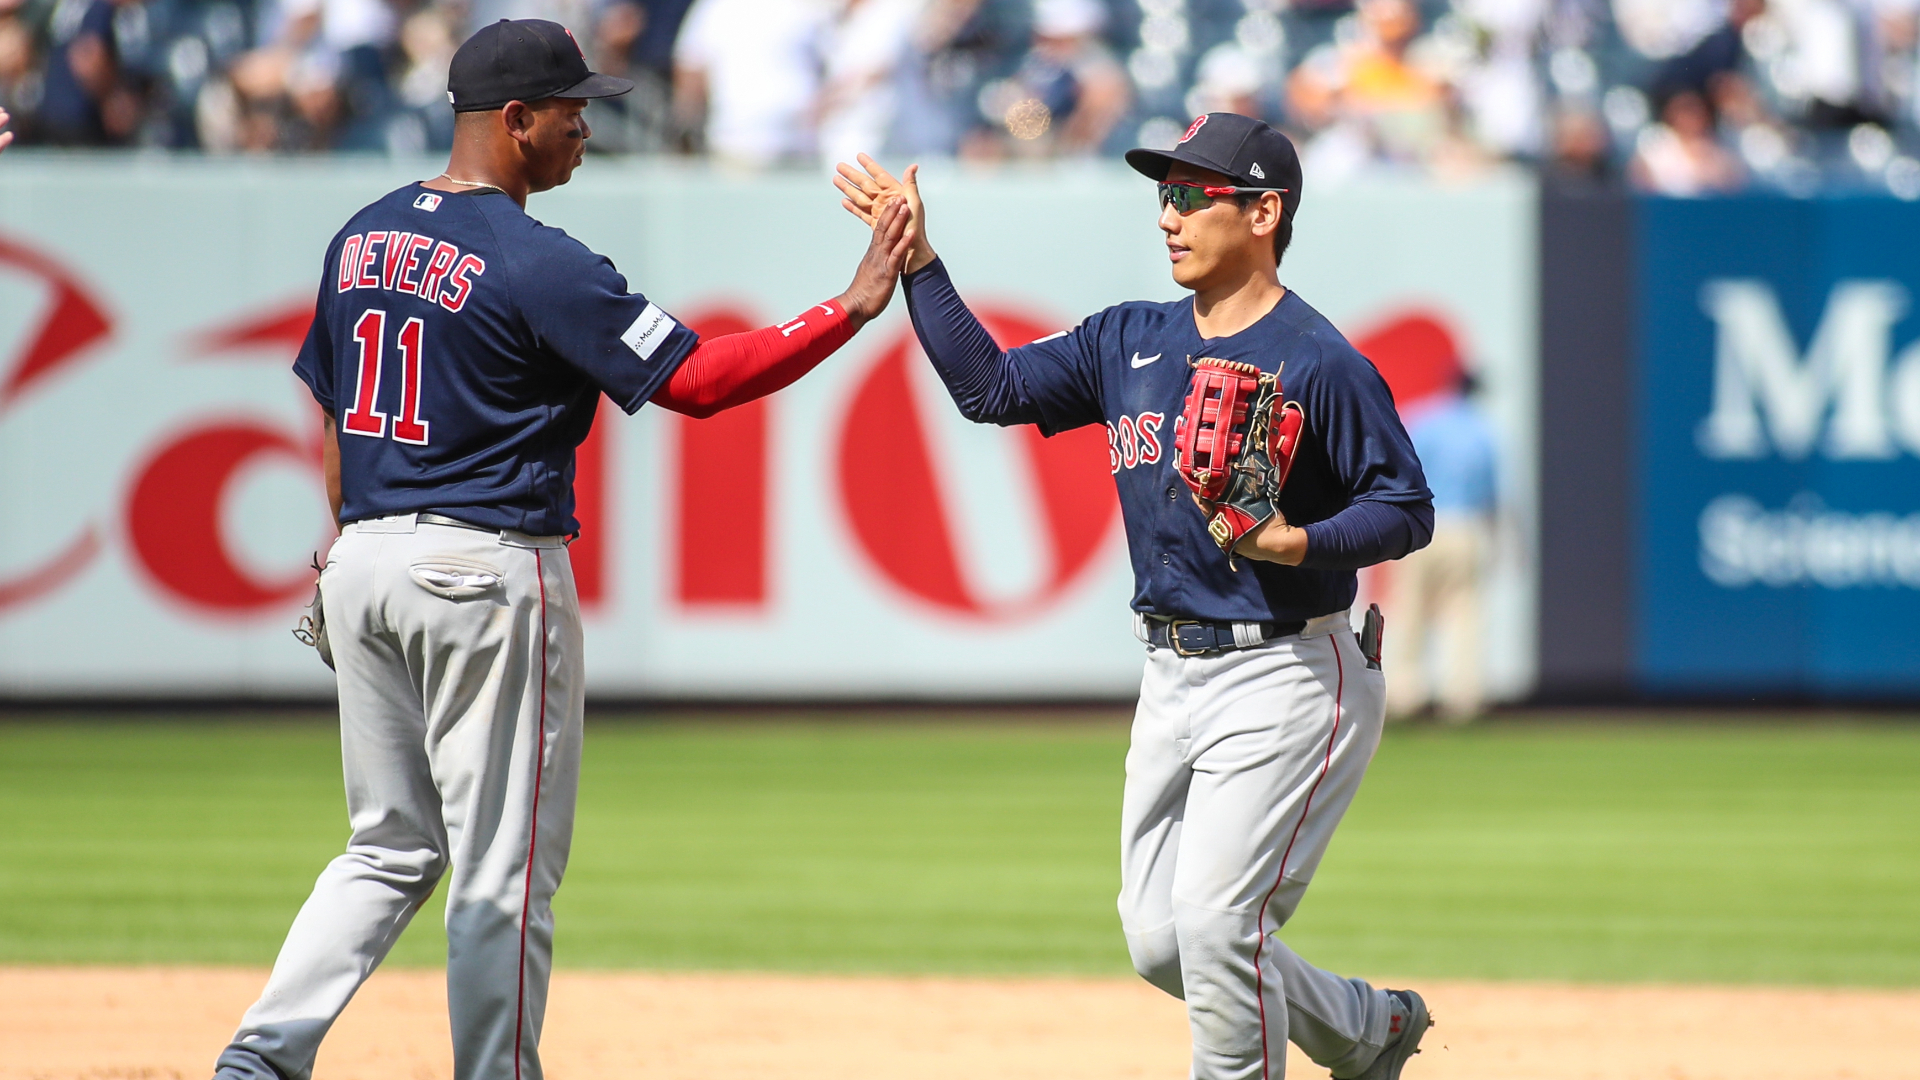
x: 392, y: 523
x: 515, y: 538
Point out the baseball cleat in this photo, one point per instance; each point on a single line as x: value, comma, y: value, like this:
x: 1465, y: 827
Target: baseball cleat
x: 1406, y: 1028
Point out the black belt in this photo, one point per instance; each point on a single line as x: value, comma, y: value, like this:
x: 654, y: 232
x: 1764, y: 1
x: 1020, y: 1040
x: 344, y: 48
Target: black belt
x: 1194, y: 637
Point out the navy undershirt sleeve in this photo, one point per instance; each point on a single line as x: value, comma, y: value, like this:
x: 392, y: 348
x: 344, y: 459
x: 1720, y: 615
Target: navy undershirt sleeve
x: 1367, y: 533
x: 979, y: 374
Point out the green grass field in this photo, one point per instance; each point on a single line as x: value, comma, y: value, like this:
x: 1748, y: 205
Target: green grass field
x: 1771, y: 852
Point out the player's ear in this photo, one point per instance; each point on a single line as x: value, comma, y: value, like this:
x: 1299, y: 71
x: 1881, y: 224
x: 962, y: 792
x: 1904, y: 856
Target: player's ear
x: 517, y: 116
x: 1266, y: 214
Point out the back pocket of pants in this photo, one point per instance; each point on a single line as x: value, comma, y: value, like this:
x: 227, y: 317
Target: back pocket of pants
x: 456, y: 579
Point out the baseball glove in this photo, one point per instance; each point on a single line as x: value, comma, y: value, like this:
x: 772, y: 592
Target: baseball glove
x: 312, y: 628
x: 1234, y: 444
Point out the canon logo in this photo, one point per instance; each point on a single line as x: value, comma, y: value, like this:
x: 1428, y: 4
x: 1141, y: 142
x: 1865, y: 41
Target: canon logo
x: 1846, y: 397
x: 898, y: 496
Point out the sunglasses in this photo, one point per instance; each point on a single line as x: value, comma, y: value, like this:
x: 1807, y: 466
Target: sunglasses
x: 1186, y: 198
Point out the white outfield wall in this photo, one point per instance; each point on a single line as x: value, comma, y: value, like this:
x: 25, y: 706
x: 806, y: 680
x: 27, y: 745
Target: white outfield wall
x: 850, y: 538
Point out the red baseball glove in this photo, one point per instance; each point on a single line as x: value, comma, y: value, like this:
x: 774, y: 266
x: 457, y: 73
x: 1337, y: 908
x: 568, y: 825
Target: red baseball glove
x: 1234, y: 444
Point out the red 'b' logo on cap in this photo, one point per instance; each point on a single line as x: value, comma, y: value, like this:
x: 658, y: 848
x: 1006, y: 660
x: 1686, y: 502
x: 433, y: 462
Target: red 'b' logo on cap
x: 1198, y: 123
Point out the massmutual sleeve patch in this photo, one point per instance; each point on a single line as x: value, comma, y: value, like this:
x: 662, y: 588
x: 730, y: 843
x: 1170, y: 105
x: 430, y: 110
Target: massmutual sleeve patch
x: 649, y: 331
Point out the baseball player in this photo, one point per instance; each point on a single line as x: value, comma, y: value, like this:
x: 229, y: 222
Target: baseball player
x: 1260, y: 707
x: 459, y: 350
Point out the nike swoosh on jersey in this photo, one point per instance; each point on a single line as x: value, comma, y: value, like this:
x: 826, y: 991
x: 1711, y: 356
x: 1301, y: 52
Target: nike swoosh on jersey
x: 1143, y: 361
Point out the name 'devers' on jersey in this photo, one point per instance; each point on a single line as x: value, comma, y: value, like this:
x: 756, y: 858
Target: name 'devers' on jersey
x: 400, y: 262
x: 1847, y: 398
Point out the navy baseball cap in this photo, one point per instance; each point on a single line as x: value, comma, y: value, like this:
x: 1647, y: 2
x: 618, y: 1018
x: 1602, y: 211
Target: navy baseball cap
x: 1252, y: 153
x: 523, y: 60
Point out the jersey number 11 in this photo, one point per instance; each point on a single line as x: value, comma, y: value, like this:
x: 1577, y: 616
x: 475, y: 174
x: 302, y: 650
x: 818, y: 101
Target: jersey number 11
x: 364, y: 418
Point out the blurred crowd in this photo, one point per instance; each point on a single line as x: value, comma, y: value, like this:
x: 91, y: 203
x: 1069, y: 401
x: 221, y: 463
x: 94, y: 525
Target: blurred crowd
x: 1677, y: 96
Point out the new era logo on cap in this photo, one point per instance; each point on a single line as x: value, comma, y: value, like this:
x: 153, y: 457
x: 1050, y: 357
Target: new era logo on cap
x: 1258, y: 172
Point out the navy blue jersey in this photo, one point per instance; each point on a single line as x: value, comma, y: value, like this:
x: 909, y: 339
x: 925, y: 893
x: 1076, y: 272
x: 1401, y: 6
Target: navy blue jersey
x: 461, y: 347
x: 1127, y: 367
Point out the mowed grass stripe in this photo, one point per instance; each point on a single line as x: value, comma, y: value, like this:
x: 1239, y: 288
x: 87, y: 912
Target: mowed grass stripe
x: 1635, y: 851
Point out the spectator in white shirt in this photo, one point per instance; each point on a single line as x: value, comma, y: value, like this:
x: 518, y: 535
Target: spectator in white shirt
x: 747, y: 74
x: 866, y: 49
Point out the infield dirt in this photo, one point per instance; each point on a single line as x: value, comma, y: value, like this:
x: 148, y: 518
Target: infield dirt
x: 162, y: 1023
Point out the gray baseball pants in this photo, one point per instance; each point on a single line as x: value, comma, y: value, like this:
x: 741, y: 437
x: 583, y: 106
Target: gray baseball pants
x: 461, y: 697
x: 1241, y: 766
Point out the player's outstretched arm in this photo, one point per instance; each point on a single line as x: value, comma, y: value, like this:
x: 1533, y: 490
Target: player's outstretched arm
x: 733, y: 369
x: 871, y: 187
x: 980, y: 376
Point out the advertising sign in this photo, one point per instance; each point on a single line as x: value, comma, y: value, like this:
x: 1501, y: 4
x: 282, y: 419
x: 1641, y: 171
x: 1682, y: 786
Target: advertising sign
x: 1779, y: 395
x: 850, y: 537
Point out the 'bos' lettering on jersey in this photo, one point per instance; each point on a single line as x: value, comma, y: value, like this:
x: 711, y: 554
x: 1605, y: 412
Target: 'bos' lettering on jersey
x: 1133, y: 441
x: 413, y: 263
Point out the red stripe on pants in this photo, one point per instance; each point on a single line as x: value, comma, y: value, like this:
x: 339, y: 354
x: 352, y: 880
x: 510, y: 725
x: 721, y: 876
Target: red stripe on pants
x: 533, y: 833
x: 1259, y: 945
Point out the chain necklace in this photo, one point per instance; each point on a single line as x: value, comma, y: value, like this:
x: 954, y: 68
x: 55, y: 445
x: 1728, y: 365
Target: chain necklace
x: 468, y: 183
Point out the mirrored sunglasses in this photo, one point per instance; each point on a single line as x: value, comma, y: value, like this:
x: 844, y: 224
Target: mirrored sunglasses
x: 1186, y: 198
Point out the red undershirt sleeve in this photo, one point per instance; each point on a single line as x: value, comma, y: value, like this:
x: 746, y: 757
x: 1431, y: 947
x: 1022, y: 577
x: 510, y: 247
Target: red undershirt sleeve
x: 734, y: 369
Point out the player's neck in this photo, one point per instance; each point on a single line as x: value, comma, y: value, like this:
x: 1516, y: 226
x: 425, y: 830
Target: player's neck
x: 471, y: 168
x: 1224, y: 309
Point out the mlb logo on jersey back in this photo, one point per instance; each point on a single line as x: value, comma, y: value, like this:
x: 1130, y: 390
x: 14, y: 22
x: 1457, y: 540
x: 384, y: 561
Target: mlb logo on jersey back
x: 648, y: 331
x: 427, y: 201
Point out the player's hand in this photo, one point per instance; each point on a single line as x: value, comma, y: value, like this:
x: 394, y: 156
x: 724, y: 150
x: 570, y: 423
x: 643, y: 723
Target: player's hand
x: 871, y: 185
x: 1272, y: 541
x: 5, y: 136
x: 879, y: 269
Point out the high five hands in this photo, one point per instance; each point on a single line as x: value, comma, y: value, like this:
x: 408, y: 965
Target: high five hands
x: 869, y: 189
x: 5, y: 136
x: 872, y: 288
